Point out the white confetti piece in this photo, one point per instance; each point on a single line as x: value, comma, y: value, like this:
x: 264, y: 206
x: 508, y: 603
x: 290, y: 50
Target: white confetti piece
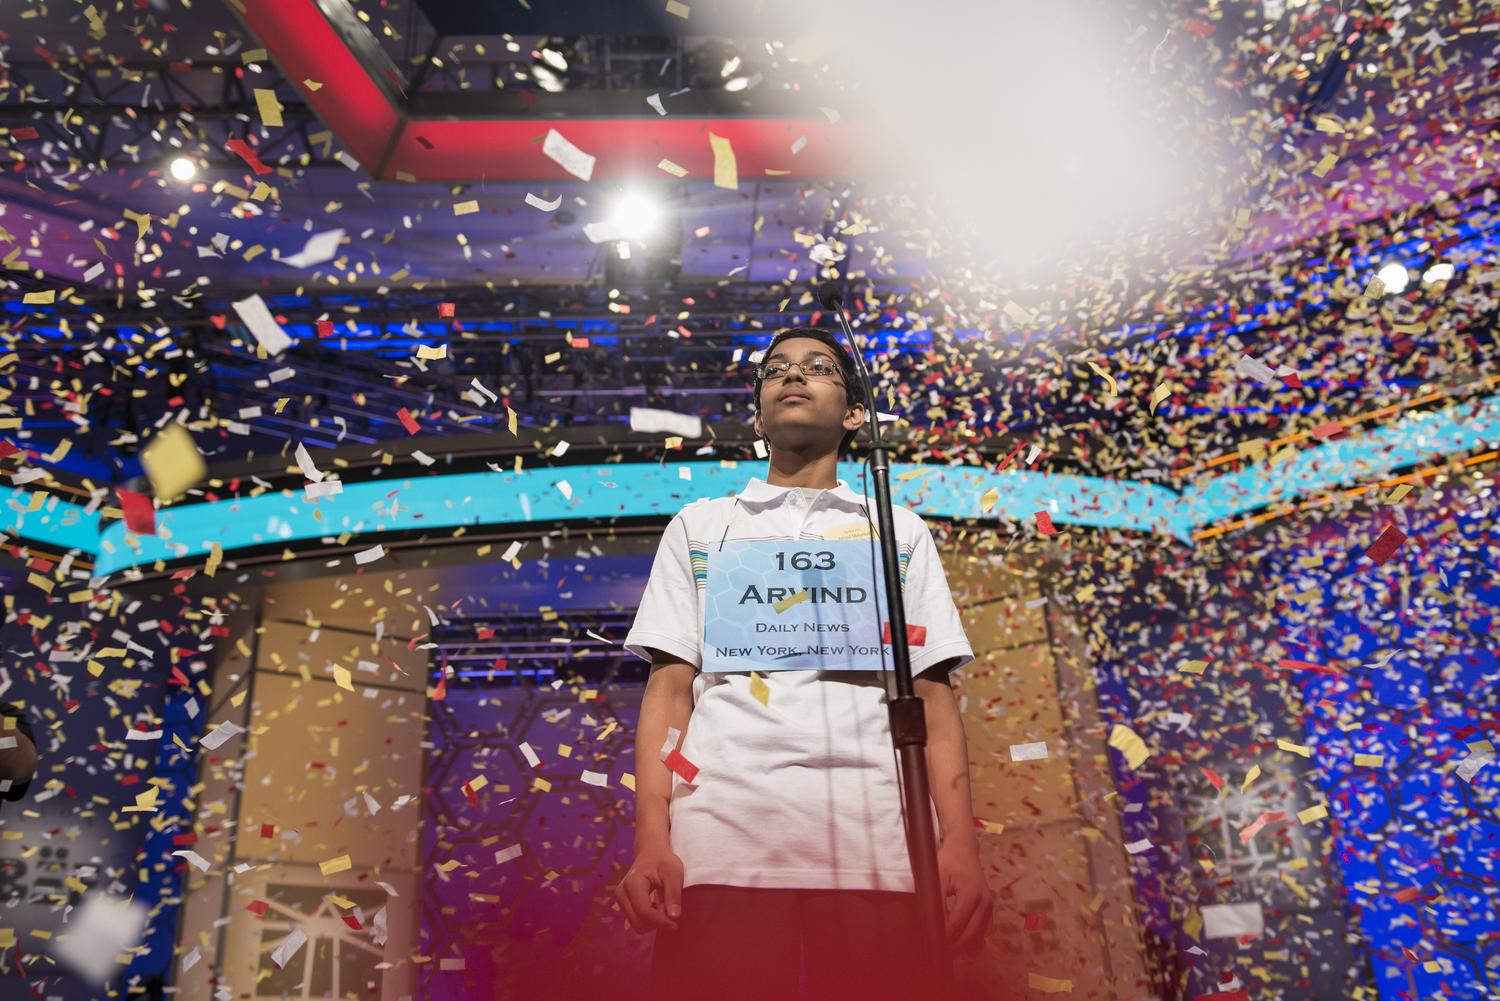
x: 567, y: 156
x: 1136, y: 847
x: 1232, y: 920
x: 305, y: 463
x: 215, y: 737
x: 566, y: 488
x: 197, y: 861
x: 530, y: 755
x: 511, y: 551
x: 1034, y: 751
x: 319, y: 249
x: 1255, y: 369
x: 650, y: 421
x: 595, y: 778
x: 655, y: 101
x: 370, y: 555
x: 288, y: 948
x: 537, y: 203
x: 506, y: 854
x: 328, y: 488
x: 96, y: 933
x: 254, y: 314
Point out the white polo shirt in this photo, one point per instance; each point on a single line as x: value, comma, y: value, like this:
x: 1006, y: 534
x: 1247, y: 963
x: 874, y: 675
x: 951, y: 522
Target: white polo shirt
x: 802, y: 791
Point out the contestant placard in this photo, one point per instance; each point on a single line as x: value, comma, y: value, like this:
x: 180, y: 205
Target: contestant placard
x: 791, y: 605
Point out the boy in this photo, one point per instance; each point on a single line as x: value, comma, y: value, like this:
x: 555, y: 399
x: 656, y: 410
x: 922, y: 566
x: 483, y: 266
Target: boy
x: 779, y: 869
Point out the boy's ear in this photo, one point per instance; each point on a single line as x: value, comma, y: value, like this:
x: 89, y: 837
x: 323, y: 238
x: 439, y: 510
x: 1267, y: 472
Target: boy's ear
x: 854, y: 418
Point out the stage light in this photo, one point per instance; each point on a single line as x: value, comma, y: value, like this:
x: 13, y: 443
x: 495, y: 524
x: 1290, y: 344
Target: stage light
x: 1440, y: 272
x: 184, y: 169
x: 637, y: 215
x: 1394, y: 277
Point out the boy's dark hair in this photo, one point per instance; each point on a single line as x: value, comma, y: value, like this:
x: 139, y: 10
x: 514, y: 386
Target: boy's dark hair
x: 850, y: 374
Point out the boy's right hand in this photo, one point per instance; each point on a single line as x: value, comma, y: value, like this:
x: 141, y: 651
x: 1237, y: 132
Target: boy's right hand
x: 651, y: 892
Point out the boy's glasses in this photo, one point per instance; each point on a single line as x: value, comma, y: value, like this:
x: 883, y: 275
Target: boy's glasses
x: 821, y: 368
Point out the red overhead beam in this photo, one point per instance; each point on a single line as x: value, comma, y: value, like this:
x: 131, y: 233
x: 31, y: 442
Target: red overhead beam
x: 367, y: 116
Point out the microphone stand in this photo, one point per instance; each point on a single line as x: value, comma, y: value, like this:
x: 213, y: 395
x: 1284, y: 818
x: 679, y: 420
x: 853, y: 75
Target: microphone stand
x: 907, y: 713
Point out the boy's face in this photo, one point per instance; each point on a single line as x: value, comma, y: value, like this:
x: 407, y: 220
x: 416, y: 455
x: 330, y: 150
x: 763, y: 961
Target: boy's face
x: 796, y: 410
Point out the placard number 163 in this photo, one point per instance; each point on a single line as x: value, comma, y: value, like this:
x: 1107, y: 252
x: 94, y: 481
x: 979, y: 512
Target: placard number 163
x: 803, y: 561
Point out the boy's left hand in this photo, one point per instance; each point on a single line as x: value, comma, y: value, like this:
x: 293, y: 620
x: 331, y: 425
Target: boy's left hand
x: 962, y: 879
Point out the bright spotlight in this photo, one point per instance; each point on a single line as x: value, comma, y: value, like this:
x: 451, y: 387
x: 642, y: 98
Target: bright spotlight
x: 1394, y: 277
x: 1440, y: 272
x: 637, y: 215
x: 184, y: 169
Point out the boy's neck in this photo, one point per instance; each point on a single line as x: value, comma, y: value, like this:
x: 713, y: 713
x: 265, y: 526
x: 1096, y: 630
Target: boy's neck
x: 789, y: 469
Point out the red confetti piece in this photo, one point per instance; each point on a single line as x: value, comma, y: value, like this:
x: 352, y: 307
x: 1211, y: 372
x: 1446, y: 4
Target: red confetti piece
x: 1214, y: 779
x: 7, y: 449
x: 266, y: 830
x: 1390, y: 540
x: 140, y: 516
x: 325, y: 328
x: 441, y: 691
x: 682, y: 766
x: 352, y: 922
x: 445, y: 309
x: 1044, y: 523
x: 242, y: 148
x: 915, y: 635
x: 257, y: 907
x: 1331, y: 431
x: 1306, y: 665
x: 24, y: 132
x: 408, y: 421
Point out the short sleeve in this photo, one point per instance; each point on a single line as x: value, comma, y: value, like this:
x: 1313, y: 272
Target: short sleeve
x: 929, y: 603
x: 668, y: 617
x: 23, y: 725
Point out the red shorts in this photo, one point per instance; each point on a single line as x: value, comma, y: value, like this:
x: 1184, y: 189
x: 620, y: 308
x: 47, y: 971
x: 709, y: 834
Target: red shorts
x: 736, y: 943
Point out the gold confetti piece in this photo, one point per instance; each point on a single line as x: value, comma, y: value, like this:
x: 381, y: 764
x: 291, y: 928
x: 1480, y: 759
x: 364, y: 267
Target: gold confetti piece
x: 1369, y: 760
x: 253, y: 56
x: 1287, y: 745
x: 1160, y: 393
x: 988, y: 500
x: 726, y: 173
x: 790, y: 600
x: 677, y: 9
x: 672, y: 168
x: 1312, y: 813
x: 334, y: 865
x: 1129, y: 743
x: 1099, y: 370
x: 1327, y: 123
x: 39, y: 298
x: 145, y: 802
x: 270, y: 108
x: 1250, y: 776
x: 1325, y: 165
x: 172, y: 462
x: 464, y: 208
x: 312, y: 85
x: 428, y: 353
x: 339, y: 901
x: 1194, y: 667
x: 1401, y: 491
x: 343, y: 678
x: 759, y: 690
x: 1048, y: 985
x: 215, y: 557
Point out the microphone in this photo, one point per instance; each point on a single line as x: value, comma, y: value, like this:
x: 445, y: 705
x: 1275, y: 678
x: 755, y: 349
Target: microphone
x: 831, y: 296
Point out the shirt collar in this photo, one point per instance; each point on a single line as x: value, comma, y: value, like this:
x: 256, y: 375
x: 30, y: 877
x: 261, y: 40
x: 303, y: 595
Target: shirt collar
x: 759, y: 492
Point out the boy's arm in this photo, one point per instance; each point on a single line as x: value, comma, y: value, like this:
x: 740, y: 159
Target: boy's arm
x: 667, y: 702
x: 947, y: 760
